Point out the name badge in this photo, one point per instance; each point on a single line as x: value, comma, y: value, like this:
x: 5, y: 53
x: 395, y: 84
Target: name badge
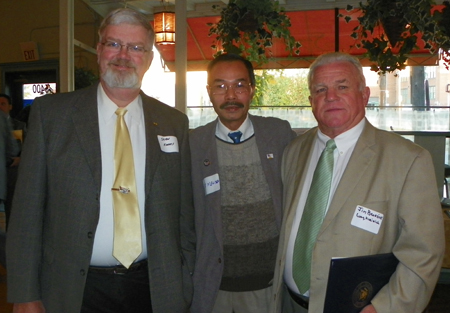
x: 211, y: 184
x: 367, y: 219
x: 168, y: 144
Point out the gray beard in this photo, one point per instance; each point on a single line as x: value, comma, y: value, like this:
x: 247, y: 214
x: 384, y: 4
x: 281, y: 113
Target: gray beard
x: 116, y: 80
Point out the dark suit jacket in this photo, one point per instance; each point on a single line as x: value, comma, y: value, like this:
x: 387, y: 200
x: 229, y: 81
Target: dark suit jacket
x: 387, y: 174
x: 272, y: 135
x: 56, y: 210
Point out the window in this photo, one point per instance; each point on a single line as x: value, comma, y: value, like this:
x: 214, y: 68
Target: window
x: 405, y: 96
x: 430, y: 72
x: 432, y: 90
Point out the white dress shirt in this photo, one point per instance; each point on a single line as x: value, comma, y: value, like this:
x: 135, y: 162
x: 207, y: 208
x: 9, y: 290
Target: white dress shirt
x: 134, y: 118
x: 345, y: 144
x: 246, y: 129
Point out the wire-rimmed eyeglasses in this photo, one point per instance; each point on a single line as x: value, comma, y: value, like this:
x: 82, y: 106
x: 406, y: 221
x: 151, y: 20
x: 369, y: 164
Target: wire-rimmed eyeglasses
x: 238, y: 88
x: 116, y: 47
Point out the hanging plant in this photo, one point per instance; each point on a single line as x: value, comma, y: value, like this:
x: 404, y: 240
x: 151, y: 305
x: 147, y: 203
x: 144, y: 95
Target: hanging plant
x: 247, y: 27
x: 389, y: 31
x: 443, y: 36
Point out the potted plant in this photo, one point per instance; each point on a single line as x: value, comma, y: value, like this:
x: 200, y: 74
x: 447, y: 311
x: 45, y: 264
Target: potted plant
x: 389, y: 30
x: 247, y: 27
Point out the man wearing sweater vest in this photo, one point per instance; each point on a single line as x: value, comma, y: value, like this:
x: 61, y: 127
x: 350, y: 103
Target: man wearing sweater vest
x: 236, y: 162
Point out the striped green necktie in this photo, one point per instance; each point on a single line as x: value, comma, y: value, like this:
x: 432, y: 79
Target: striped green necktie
x: 313, y: 214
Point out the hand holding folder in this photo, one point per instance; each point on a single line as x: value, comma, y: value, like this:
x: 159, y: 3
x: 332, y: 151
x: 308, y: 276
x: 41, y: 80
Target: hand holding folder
x: 353, y: 282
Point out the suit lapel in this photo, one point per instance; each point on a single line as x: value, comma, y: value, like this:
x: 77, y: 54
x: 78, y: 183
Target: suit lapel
x: 303, y: 158
x: 85, y: 119
x: 293, y: 185
x: 153, y: 127
x: 357, y: 166
x: 212, y: 201
x: 263, y: 139
x: 267, y: 144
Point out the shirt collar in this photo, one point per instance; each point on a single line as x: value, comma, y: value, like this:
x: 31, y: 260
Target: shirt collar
x: 246, y: 129
x: 345, y: 140
x: 107, y: 108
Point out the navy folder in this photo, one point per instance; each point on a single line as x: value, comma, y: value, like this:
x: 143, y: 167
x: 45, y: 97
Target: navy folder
x: 353, y: 282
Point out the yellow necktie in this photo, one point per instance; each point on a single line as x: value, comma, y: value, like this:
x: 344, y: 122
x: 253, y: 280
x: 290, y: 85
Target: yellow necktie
x: 127, y: 225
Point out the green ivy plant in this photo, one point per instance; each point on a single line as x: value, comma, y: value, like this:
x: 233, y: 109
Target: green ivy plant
x: 247, y: 27
x: 443, y: 35
x: 84, y: 77
x: 389, y: 49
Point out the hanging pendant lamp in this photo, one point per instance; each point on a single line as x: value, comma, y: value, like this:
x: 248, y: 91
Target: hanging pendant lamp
x: 164, y: 26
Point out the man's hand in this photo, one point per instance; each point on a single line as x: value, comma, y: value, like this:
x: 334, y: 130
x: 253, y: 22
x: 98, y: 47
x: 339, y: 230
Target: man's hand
x: 29, y: 307
x: 369, y: 309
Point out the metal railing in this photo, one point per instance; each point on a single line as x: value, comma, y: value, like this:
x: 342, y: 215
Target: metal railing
x: 399, y: 118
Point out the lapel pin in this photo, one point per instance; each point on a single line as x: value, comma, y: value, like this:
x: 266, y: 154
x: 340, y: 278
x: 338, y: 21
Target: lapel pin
x: 206, y: 162
x: 270, y: 156
x: 154, y: 123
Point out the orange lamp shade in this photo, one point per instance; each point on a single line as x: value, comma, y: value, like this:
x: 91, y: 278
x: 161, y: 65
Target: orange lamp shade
x: 164, y: 26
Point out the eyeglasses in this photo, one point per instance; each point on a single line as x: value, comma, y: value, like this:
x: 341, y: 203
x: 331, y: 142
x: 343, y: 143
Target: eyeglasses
x: 238, y: 88
x: 116, y: 47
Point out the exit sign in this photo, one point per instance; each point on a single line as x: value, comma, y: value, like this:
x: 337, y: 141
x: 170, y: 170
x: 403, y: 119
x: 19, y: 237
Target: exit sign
x: 29, y: 51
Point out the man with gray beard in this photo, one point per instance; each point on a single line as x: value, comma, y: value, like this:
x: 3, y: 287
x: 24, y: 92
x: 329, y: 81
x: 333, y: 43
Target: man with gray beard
x: 104, y: 220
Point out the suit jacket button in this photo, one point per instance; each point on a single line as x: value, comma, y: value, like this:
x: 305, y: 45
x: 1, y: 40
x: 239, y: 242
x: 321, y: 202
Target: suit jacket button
x: 219, y: 260
x: 90, y: 235
x: 82, y: 272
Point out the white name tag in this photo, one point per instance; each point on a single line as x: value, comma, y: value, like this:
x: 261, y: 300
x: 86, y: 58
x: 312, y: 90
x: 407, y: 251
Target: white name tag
x: 211, y: 184
x: 168, y: 144
x: 367, y: 219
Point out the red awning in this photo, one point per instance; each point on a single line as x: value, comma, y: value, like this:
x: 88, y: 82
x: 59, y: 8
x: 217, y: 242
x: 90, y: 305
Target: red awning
x: 318, y: 31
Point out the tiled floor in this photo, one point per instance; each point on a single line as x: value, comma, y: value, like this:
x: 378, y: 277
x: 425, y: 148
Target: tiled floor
x: 440, y: 302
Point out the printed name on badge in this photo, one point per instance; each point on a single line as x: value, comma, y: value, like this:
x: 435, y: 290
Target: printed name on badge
x: 168, y: 144
x: 211, y: 184
x: 367, y: 219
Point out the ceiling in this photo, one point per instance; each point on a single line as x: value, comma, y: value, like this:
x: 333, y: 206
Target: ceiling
x: 199, y: 8
x: 314, y: 24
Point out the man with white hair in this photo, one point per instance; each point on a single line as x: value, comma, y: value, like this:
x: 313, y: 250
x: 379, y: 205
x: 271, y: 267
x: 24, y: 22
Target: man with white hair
x: 362, y: 169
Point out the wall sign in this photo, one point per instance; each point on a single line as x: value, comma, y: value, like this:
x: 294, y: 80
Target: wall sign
x: 29, y: 51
